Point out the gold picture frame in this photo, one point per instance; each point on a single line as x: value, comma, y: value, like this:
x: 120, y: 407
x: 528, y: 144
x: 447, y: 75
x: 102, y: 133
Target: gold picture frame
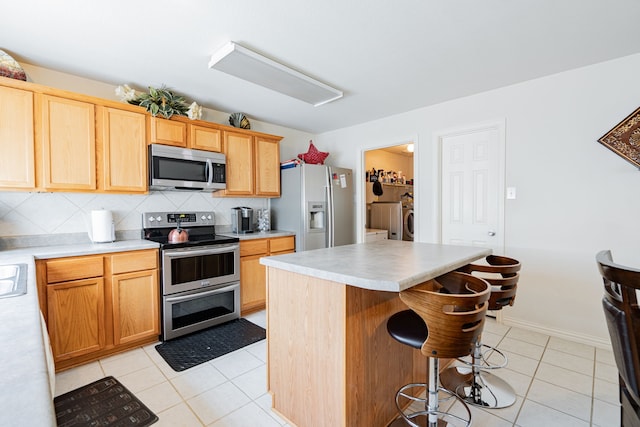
x: 624, y: 138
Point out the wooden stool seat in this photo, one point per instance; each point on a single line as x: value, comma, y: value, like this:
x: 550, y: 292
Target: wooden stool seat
x: 472, y: 382
x: 445, y: 319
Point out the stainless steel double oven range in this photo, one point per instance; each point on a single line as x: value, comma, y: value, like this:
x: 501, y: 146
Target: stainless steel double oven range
x: 199, y: 278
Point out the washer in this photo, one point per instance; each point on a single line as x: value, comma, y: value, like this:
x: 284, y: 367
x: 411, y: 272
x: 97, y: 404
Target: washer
x: 407, y: 223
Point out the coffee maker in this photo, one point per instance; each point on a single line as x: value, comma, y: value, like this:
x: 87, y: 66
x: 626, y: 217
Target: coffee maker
x: 241, y: 220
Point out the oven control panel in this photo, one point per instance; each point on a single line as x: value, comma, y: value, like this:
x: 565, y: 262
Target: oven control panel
x: 170, y: 219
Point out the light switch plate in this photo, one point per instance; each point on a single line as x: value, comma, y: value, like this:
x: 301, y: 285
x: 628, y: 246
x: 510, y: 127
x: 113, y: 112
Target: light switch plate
x: 511, y: 193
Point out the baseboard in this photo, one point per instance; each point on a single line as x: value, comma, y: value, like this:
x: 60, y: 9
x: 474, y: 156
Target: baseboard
x: 580, y: 338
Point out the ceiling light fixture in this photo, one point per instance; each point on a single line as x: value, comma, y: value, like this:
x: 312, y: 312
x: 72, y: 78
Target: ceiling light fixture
x: 243, y: 63
x: 410, y: 148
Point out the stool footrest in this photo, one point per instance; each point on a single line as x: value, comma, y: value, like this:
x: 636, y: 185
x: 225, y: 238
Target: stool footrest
x: 411, y: 413
x: 480, y: 361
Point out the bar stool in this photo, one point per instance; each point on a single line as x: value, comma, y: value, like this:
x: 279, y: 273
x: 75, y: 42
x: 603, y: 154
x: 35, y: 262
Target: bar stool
x: 445, y: 318
x: 472, y: 382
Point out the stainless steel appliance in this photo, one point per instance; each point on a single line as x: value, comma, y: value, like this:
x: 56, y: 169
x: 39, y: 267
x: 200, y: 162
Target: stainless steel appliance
x: 175, y: 168
x: 242, y: 220
x: 317, y: 203
x: 200, y: 278
x: 387, y: 216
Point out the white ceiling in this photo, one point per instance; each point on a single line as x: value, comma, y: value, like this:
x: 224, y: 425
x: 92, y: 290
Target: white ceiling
x: 387, y: 56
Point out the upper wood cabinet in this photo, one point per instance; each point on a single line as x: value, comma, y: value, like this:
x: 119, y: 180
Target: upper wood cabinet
x: 17, y: 162
x: 253, y: 164
x: 205, y: 138
x: 267, y: 168
x: 238, y: 148
x: 167, y: 132
x: 180, y: 133
x: 122, y: 150
x: 67, y: 132
x: 55, y: 140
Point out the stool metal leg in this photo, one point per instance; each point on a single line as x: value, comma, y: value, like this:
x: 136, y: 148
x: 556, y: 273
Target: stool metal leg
x: 476, y: 386
x: 430, y: 415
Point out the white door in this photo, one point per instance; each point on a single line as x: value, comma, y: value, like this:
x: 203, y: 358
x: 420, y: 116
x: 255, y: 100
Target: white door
x: 472, y: 178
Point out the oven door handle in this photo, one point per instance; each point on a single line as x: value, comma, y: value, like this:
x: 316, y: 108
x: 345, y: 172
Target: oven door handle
x: 192, y: 252
x: 201, y: 294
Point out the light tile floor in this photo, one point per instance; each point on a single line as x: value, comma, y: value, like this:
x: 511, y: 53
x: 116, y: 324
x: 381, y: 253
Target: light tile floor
x: 558, y: 382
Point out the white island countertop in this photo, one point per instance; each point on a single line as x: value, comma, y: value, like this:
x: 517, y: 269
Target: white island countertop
x: 385, y: 265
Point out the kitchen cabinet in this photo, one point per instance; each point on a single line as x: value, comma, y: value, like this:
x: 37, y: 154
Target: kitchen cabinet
x: 252, y: 274
x: 205, y: 138
x: 253, y: 164
x: 17, y: 163
x: 167, y: 132
x: 122, y: 154
x: 98, y: 305
x: 75, y: 306
x: 67, y: 131
x: 135, y: 296
x: 180, y: 133
x: 267, y: 166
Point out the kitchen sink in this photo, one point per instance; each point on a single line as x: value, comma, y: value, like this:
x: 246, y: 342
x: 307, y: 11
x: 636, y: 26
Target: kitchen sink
x: 13, y: 280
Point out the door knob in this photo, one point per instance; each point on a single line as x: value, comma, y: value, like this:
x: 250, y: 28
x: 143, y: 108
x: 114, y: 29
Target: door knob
x: 492, y: 233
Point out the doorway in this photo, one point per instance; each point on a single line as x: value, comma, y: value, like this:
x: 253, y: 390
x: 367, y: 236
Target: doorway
x: 472, y: 168
x: 389, y: 179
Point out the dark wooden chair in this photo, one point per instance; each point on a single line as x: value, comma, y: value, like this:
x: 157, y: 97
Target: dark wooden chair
x: 445, y: 318
x: 622, y: 313
x: 473, y: 382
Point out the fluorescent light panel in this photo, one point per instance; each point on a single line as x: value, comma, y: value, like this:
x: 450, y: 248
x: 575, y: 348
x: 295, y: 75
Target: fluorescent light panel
x: 241, y: 62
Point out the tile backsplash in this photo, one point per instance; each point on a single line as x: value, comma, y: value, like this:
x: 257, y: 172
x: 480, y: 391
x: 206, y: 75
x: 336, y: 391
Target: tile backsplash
x: 29, y: 214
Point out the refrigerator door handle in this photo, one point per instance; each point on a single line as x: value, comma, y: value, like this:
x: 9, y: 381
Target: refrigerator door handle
x: 329, y: 216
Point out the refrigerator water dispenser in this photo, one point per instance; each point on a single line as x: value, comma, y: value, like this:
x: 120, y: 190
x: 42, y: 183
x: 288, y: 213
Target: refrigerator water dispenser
x: 316, y: 217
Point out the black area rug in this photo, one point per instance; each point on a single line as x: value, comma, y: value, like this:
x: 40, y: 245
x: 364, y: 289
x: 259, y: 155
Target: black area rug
x: 105, y: 402
x: 191, y: 350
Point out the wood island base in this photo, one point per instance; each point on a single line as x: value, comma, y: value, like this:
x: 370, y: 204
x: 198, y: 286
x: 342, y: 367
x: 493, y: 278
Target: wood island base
x: 330, y: 360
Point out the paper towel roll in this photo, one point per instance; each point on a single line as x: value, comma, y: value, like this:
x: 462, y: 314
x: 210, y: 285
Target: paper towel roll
x: 102, y: 226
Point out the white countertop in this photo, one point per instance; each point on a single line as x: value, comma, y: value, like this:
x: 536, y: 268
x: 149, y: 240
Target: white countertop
x: 25, y: 396
x: 59, y: 251
x: 258, y: 234
x: 387, y: 265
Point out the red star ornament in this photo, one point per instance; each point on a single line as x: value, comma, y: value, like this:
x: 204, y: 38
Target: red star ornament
x: 313, y: 156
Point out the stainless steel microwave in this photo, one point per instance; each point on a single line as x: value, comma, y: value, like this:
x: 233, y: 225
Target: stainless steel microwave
x: 175, y: 168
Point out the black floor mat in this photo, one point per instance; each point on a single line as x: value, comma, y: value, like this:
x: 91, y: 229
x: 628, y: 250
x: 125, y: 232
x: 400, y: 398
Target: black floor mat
x: 191, y: 350
x: 105, y: 402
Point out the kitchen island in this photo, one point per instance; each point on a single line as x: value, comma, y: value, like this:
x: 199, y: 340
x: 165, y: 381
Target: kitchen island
x: 330, y: 358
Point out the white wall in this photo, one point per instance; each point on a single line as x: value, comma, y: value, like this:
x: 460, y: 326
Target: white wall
x: 30, y: 213
x: 574, y: 196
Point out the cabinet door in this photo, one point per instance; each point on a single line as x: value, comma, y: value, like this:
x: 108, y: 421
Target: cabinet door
x: 253, y: 284
x: 76, y: 317
x: 68, y: 144
x: 168, y: 132
x: 238, y: 148
x: 282, y: 245
x: 17, y: 162
x: 267, y: 167
x: 123, y: 147
x: 204, y: 138
x: 135, y: 306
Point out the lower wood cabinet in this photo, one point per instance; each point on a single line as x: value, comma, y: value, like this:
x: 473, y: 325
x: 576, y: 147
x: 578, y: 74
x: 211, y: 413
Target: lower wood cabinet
x: 253, y: 279
x: 99, y: 304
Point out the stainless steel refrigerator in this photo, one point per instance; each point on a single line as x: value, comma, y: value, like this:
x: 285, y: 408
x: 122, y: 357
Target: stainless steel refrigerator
x: 317, y: 202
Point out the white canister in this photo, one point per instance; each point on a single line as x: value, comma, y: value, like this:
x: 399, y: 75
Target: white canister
x: 102, y: 227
